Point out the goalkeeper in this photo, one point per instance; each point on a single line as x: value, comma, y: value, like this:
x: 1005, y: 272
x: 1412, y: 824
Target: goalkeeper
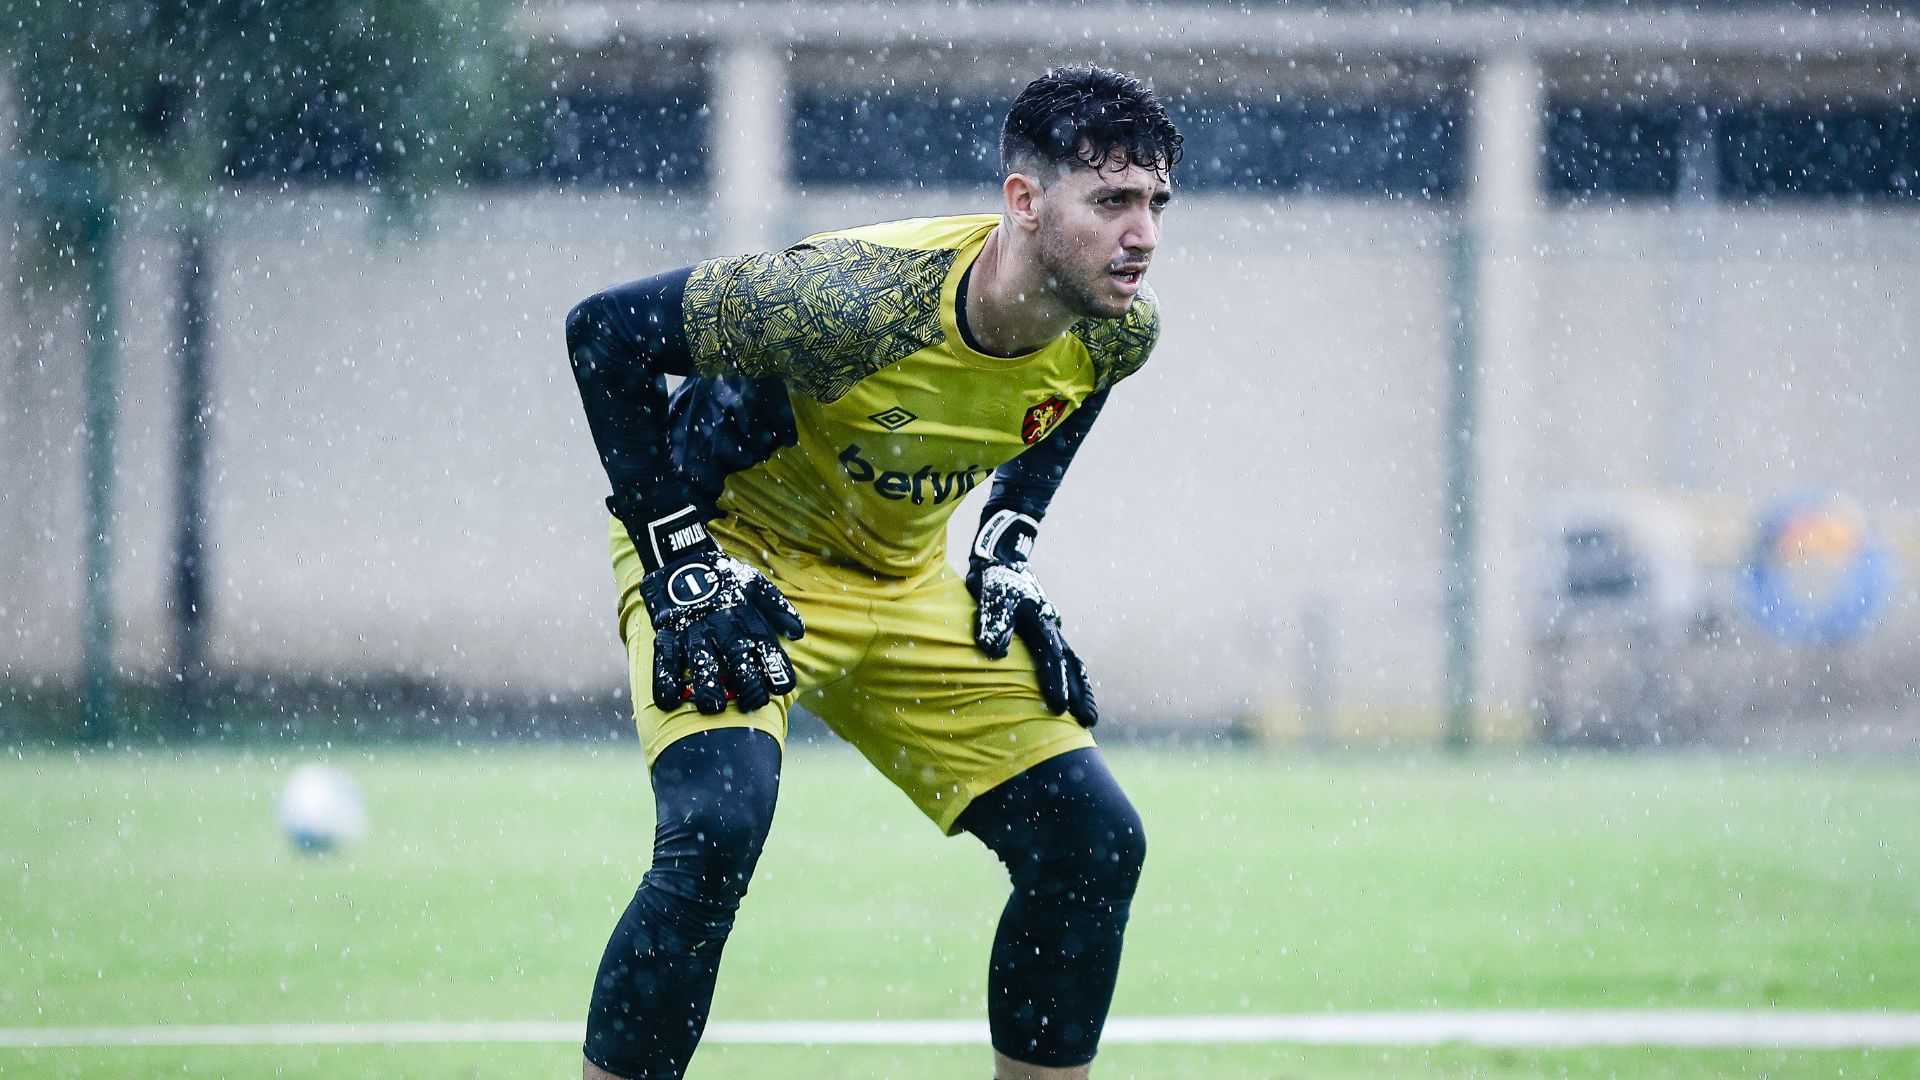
x: 778, y: 535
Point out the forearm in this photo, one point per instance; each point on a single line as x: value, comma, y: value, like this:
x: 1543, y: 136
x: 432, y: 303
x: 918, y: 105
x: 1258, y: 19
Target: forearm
x: 623, y: 342
x: 1011, y: 601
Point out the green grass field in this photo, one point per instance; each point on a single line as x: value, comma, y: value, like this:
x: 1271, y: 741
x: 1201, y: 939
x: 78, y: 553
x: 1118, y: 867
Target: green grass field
x: 152, y: 887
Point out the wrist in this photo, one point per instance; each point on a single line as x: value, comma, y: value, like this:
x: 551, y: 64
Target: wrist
x: 1005, y: 536
x: 665, y: 532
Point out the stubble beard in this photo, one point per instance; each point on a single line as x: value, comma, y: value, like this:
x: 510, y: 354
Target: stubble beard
x: 1080, y: 291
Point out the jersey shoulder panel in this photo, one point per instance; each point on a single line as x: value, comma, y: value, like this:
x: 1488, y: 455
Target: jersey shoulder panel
x: 922, y: 234
x: 821, y: 315
x: 1120, y: 347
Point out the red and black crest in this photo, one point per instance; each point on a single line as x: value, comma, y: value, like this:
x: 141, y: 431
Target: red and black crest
x: 1042, y: 418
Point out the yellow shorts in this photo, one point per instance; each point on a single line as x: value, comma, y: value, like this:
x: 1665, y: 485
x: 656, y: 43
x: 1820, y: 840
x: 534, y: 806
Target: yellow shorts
x: 889, y: 664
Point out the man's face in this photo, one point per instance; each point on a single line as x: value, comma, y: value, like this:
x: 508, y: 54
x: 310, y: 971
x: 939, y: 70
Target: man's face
x: 1098, y: 231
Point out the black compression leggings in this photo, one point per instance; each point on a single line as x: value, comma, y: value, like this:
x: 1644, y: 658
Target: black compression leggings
x: 1073, y: 845
x: 713, y: 799
x: 1067, y: 834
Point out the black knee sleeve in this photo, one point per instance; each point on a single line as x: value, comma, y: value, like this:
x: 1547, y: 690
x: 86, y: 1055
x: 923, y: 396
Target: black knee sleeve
x: 1073, y: 845
x: 714, y: 795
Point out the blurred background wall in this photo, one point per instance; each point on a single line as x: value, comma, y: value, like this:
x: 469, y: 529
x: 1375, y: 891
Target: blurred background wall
x: 1462, y: 304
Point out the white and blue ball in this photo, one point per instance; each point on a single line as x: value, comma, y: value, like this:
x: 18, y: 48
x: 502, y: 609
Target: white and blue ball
x: 321, y: 808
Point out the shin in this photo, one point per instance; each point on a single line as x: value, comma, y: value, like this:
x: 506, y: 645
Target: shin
x: 714, y: 794
x: 1074, y: 846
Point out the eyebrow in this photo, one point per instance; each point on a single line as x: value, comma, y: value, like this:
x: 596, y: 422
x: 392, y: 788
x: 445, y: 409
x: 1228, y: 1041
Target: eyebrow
x: 1116, y: 189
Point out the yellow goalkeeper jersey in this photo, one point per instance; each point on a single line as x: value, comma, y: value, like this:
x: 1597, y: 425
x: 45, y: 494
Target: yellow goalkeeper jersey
x: 837, y: 407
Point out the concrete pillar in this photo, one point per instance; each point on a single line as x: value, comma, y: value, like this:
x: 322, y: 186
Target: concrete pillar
x: 1503, y: 207
x: 19, y: 454
x: 750, y: 154
x: 1683, y: 415
x: 9, y: 120
x: 10, y: 178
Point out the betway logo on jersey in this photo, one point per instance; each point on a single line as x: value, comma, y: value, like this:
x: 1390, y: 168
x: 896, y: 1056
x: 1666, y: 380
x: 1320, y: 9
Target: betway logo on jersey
x: 922, y: 486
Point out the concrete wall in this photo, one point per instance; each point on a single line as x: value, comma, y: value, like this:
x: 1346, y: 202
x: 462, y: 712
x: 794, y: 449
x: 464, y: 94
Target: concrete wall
x: 402, y: 482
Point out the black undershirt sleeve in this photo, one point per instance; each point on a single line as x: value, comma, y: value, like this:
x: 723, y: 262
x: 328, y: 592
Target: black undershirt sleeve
x: 1026, y: 484
x: 623, y: 342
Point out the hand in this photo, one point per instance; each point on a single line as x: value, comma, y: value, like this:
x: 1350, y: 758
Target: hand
x: 714, y: 620
x: 1012, y: 602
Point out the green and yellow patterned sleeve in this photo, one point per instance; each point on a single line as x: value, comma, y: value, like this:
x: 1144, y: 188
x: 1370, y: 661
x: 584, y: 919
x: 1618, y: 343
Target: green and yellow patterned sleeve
x: 1120, y: 347
x: 822, y: 314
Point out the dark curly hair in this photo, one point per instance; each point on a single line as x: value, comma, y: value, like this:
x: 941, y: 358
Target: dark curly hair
x: 1083, y: 115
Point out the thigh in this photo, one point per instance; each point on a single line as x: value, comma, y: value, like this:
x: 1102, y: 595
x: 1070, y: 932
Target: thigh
x: 713, y: 796
x: 839, y: 629
x: 942, y: 720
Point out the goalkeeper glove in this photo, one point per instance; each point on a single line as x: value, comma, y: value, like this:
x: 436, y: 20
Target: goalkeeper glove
x: 1012, y: 602
x: 714, y: 620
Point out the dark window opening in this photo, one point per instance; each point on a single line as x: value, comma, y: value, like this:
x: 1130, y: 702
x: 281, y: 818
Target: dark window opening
x: 650, y: 137
x: 844, y: 137
x: 1609, y: 149
x: 1819, y: 151
x: 1745, y: 151
x: 320, y: 143
x: 1405, y: 149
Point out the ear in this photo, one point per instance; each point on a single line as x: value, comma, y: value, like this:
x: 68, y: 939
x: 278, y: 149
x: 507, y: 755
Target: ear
x: 1023, y: 195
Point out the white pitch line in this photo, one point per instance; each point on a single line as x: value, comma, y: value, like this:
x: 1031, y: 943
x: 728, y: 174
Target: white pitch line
x: 1545, y: 1028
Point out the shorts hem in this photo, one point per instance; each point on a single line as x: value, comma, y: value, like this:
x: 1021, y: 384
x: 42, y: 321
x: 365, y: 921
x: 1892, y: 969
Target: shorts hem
x: 774, y: 726
x: 1077, y: 739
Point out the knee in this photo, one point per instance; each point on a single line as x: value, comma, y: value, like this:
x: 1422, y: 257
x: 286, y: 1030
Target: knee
x: 687, y: 901
x: 713, y: 802
x: 1096, y: 859
x: 1117, y: 852
x: 707, y: 856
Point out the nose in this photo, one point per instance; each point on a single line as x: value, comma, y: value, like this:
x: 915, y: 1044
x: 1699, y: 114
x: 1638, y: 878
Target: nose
x: 1143, y: 232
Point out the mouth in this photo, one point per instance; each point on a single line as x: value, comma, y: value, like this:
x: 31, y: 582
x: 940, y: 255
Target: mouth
x: 1128, y: 277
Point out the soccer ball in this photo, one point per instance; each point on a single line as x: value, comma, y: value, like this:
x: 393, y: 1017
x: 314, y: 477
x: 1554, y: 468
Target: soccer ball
x: 321, y: 808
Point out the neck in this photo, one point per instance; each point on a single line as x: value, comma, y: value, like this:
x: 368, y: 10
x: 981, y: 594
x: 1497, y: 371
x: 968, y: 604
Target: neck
x: 1011, y: 309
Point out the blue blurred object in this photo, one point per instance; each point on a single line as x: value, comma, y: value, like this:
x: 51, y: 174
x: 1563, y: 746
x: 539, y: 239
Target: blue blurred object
x: 1816, y: 574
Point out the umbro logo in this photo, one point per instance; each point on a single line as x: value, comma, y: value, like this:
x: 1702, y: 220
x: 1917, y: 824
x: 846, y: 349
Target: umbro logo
x: 893, y: 419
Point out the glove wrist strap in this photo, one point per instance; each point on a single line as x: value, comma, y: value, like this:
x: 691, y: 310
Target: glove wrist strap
x: 1006, y: 536
x: 665, y: 537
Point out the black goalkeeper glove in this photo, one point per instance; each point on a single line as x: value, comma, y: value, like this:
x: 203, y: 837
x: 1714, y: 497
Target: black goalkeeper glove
x: 714, y: 619
x: 1012, y: 602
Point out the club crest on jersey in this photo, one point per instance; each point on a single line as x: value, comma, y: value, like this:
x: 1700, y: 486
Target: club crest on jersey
x: 1042, y: 418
